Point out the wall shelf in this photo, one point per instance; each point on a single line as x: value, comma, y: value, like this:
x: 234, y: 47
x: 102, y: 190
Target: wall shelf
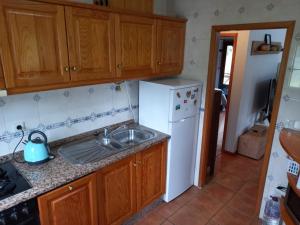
x: 256, y: 51
x: 290, y: 141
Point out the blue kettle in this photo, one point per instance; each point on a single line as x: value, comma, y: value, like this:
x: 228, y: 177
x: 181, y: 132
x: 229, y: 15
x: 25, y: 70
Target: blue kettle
x: 36, y: 150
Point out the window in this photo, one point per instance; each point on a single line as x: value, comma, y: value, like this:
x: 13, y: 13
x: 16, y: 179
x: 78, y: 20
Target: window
x: 228, y: 63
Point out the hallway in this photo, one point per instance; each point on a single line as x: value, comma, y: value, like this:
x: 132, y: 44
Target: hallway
x: 229, y: 199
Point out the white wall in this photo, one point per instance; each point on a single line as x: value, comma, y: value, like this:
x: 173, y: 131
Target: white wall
x: 65, y: 112
x: 251, y: 70
x: 201, y: 15
x: 237, y: 89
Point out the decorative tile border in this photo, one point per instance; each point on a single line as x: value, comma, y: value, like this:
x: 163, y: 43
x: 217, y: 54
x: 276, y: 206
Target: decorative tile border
x: 7, y: 136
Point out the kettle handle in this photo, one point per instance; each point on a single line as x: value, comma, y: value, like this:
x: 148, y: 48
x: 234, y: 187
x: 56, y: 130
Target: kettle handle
x: 40, y: 133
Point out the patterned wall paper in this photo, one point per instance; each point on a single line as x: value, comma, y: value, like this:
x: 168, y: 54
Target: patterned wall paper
x: 65, y: 112
x: 202, y: 14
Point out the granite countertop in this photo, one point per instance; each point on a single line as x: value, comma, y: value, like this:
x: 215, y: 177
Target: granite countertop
x: 58, y: 172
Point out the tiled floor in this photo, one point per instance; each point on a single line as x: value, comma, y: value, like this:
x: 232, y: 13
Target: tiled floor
x: 229, y: 199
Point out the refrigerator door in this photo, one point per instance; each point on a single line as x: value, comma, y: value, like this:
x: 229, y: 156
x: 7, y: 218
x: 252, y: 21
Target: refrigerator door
x: 181, y: 157
x: 184, y: 103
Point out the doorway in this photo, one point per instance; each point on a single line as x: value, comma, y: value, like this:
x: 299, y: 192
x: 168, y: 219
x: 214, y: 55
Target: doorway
x: 289, y: 26
x: 227, y: 44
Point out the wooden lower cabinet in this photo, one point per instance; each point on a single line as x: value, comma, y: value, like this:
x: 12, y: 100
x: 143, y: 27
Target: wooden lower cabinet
x: 117, y: 192
x: 151, y: 172
x: 130, y: 184
x: 110, y: 195
x: 73, y: 204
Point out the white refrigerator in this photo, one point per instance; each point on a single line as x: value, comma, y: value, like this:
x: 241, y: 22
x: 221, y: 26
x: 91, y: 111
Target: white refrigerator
x: 172, y: 106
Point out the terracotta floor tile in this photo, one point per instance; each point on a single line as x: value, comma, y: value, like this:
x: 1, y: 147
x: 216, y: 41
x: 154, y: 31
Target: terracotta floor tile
x: 187, y: 196
x: 153, y: 218
x: 250, y: 188
x: 168, y: 209
x: 229, y: 180
x: 206, y: 203
x: 243, y: 203
x: 219, y: 192
x: 256, y: 221
x: 188, y: 216
x: 212, y: 223
x: 229, y: 216
x: 167, y: 223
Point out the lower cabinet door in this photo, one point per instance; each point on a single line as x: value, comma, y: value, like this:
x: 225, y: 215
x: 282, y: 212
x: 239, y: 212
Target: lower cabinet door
x: 73, y: 204
x: 117, y: 192
x: 151, y: 170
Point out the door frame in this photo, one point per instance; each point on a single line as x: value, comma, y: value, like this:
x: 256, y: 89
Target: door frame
x: 289, y: 25
x: 235, y: 41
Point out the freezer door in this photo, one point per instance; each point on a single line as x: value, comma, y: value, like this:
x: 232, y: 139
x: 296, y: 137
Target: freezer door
x: 185, y: 103
x: 181, y: 158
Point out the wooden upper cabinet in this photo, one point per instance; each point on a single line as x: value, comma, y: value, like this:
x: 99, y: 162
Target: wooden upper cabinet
x: 120, y: 4
x: 2, y: 81
x: 151, y: 174
x: 170, y: 47
x: 117, y: 192
x: 136, y: 46
x: 144, y: 6
x: 33, y: 44
x: 91, y: 39
x: 75, y: 203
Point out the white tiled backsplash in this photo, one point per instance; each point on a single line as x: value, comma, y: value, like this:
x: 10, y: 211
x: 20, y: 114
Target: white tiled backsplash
x: 65, y: 112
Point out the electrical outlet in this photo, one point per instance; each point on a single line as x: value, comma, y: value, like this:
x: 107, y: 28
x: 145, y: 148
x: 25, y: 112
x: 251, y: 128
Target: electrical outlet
x: 118, y: 87
x: 22, y: 124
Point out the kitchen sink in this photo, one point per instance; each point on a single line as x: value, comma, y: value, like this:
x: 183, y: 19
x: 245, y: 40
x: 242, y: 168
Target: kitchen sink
x: 102, y: 146
x: 132, y: 136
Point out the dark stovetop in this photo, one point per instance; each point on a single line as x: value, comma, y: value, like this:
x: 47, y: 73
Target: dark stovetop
x: 11, y: 181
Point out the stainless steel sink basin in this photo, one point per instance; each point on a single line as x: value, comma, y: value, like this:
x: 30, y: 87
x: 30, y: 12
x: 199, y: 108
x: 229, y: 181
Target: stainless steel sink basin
x: 102, y: 146
x: 132, y: 136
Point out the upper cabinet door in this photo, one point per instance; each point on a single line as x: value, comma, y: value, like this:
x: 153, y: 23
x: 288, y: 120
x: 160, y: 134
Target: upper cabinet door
x: 145, y: 6
x: 136, y: 46
x: 91, y: 39
x: 170, y: 47
x: 33, y: 44
x: 116, y: 3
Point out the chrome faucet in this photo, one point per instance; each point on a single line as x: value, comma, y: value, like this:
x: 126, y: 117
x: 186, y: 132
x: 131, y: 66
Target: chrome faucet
x: 107, y: 132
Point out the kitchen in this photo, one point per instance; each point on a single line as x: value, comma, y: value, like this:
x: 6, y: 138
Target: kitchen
x: 84, y: 77
x: 75, y: 146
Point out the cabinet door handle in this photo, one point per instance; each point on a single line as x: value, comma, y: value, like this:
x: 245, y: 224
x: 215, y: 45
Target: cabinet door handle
x: 137, y: 163
x: 74, y: 68
x: 70, y: 188
x: 120, y: 66
x: 159, y: 63
x: 67, y: 69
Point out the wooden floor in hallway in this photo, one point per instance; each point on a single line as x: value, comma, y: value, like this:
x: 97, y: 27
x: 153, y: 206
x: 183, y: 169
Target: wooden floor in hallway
x: 229, y: 199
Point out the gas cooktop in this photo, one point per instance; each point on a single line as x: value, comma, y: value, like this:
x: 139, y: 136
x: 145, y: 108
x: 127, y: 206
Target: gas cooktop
x: 11, y: 181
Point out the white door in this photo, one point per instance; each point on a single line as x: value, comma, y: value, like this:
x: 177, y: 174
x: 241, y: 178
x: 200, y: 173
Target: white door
x: 181, y: 157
